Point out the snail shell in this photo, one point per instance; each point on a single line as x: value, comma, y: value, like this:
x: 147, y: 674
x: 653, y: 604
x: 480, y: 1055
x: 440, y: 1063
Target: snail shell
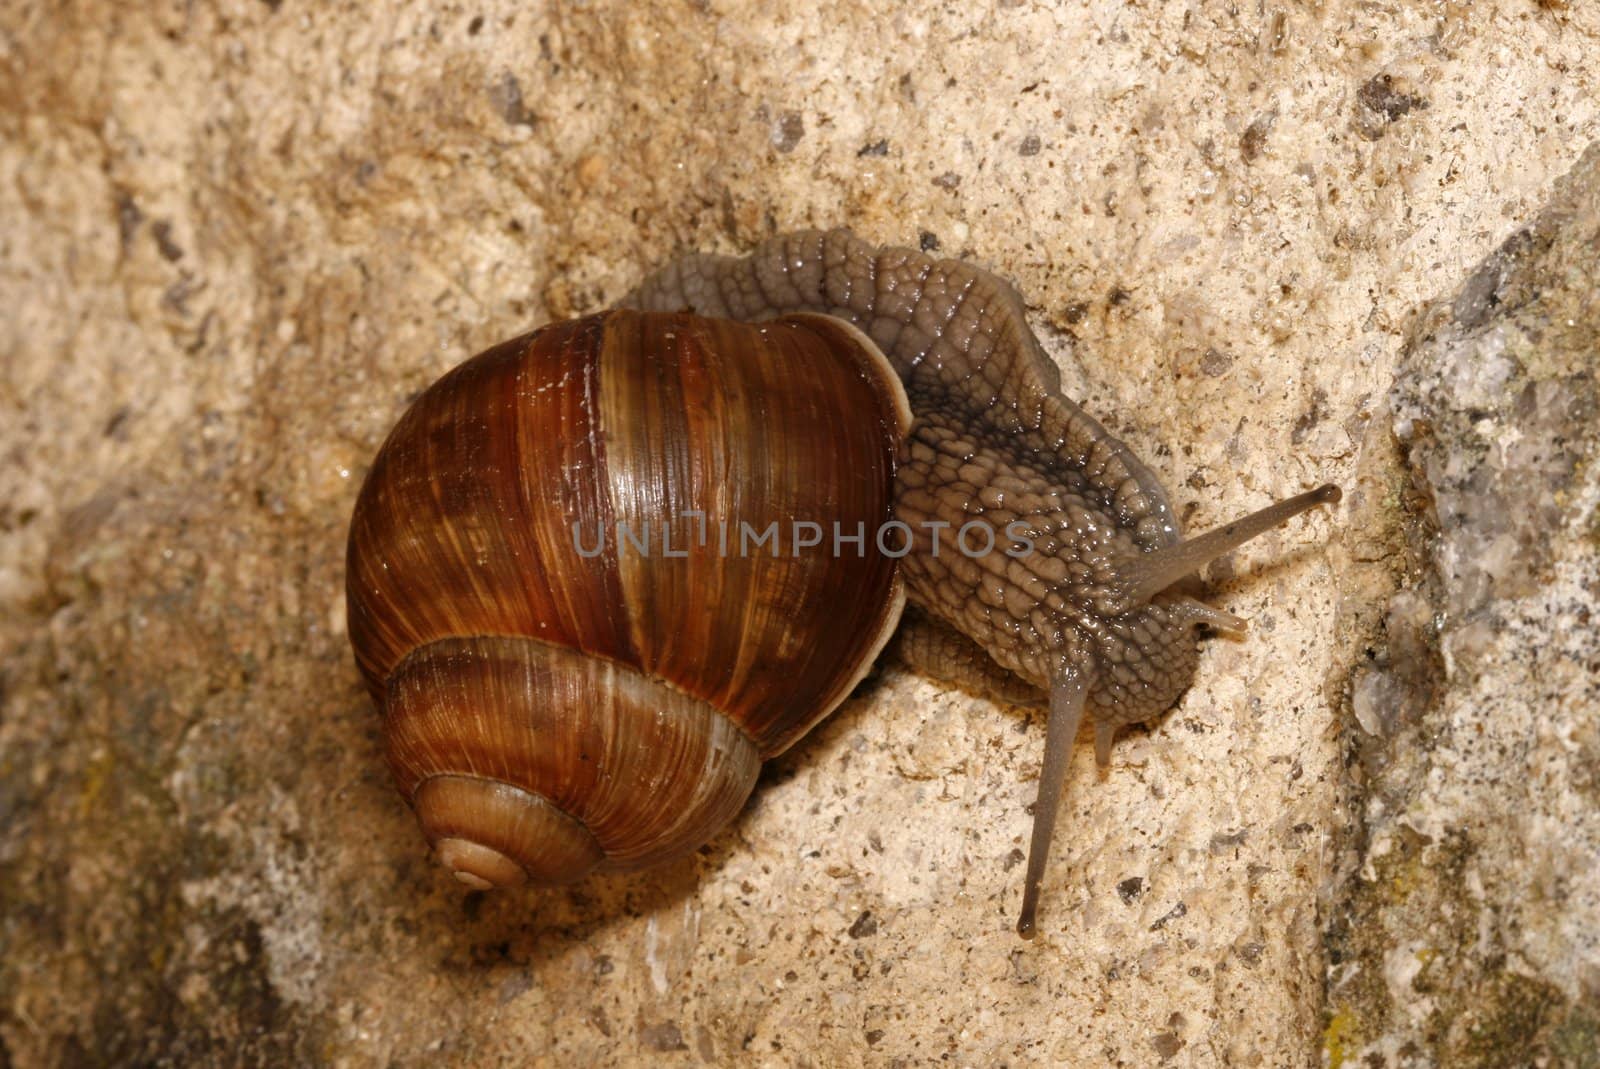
x: 576, y: 669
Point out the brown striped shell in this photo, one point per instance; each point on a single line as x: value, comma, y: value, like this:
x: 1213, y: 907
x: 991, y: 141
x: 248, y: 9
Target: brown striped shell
x: 560, y: 596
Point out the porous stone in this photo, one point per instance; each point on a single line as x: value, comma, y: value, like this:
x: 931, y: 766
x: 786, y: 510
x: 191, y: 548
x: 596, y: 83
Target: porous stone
x: 1469, y: 933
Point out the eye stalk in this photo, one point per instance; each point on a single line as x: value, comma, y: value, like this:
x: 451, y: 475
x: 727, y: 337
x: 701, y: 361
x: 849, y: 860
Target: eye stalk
x: 1145, y: 576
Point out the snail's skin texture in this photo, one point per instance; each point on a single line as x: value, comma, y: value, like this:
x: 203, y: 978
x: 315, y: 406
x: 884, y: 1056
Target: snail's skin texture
x: 928, y: 645
x: 1086, y: 615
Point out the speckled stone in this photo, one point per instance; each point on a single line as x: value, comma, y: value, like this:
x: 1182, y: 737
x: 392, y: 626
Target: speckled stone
x: 239, y: 235
x: 1470, y: 931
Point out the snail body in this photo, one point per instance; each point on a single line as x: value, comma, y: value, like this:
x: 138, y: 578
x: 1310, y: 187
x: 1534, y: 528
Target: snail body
x: 1071, y: 600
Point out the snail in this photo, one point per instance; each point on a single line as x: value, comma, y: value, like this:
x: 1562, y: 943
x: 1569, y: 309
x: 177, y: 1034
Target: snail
x: 1038, y: 553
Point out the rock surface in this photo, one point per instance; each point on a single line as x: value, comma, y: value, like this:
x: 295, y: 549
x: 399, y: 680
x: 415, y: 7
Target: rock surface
x: 1471, y: 934
x: 239, y: 236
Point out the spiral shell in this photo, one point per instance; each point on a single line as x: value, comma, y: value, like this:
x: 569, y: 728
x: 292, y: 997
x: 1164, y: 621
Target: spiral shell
x: 558, y: 597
